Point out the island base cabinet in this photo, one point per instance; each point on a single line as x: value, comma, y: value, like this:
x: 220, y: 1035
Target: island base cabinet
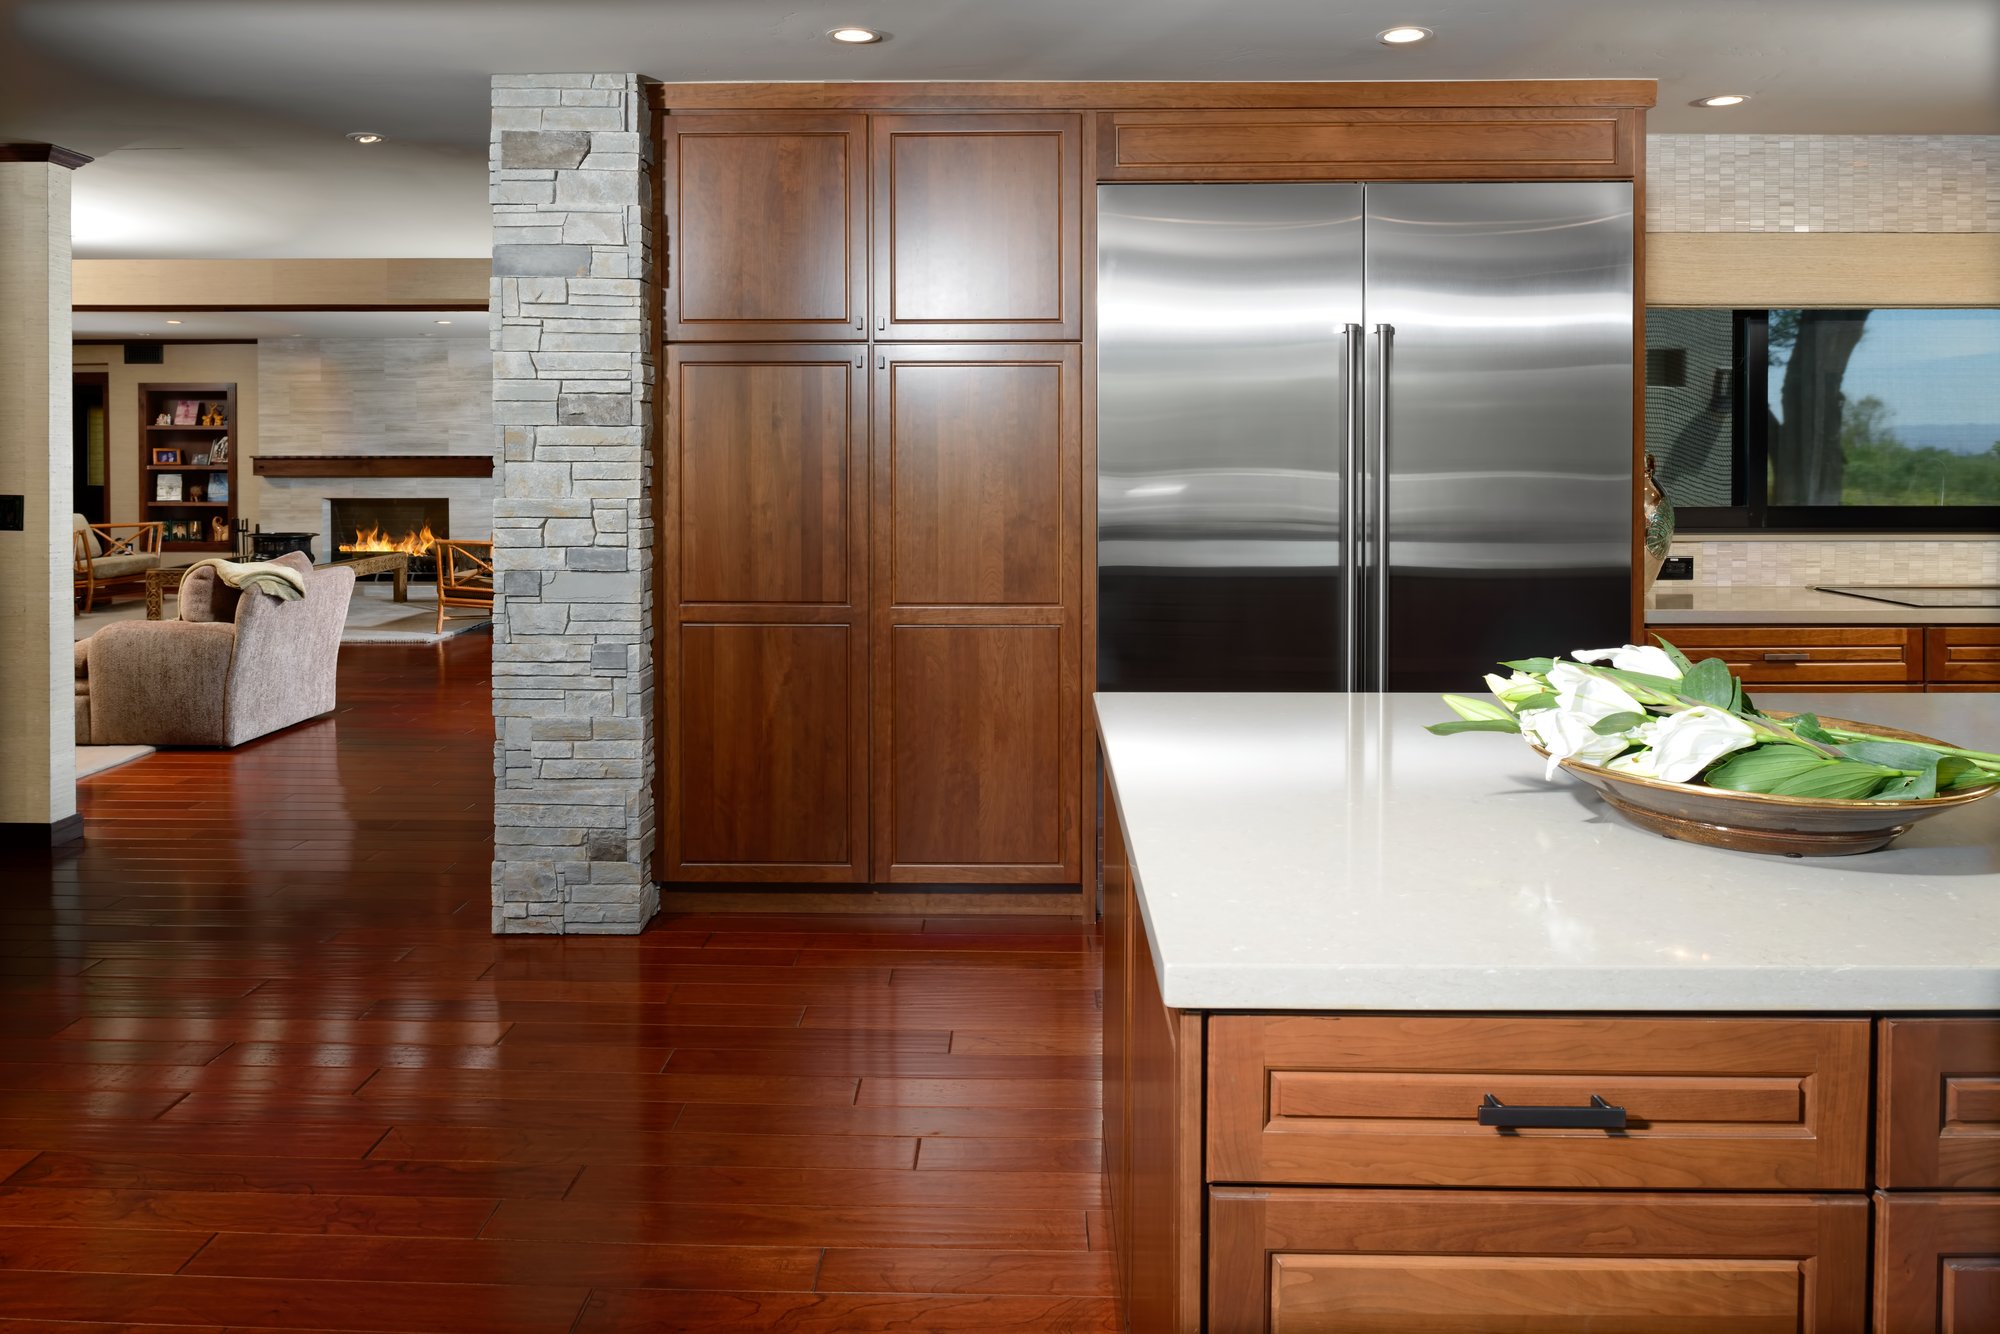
x: 1937, y: 1264
x: 1320, y: 1261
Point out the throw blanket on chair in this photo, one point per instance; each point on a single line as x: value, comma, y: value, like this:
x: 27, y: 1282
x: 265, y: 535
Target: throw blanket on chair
x: 266, y: 576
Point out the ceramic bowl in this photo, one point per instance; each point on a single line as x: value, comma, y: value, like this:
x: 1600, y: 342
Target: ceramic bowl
x: 1757, y: 822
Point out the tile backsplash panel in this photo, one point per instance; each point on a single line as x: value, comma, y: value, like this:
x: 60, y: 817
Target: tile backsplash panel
x: 1822, y: 182
x: 1769, y: 564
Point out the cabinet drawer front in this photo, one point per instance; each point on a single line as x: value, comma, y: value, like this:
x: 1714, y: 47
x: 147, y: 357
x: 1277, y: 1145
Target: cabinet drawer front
x: 1938, y: 1101
x: 1963, y: 654
x: 1360, y: 144
x: 1709, y: 1103
x: 1807, y: 654
x: 1303, y: 1261
x: 1937, y: 1264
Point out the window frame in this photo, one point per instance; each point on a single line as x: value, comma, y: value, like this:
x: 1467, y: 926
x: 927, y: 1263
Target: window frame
x: 1750, y: 465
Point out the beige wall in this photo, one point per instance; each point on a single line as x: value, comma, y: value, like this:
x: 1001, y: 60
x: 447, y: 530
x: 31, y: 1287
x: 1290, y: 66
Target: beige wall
x: 206, y: 363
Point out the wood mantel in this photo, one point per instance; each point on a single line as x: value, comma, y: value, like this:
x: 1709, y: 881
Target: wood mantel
x: 373, y: 465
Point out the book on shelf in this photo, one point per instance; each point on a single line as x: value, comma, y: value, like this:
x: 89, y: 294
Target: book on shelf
x: 167, y: 486
x: 218, y: 486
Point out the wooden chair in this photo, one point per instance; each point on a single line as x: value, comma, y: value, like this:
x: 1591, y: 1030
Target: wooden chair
x: 104, y: 558
x: 465, y: 576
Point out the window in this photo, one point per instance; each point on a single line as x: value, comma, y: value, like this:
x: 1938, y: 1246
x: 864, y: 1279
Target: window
x: 1829, y: 419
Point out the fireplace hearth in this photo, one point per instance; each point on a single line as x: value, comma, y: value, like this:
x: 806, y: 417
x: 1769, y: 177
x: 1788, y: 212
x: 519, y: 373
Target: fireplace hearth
x: 364, y: 526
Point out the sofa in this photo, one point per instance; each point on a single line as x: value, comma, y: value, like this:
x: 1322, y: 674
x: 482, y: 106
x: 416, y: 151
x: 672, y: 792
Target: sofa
x: 234, y: 666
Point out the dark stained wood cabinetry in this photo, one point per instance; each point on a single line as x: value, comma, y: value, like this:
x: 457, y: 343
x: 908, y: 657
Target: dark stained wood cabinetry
x: 1937, y: 1263
x: 977, y: 697
x: 765, y: 554
x: 1962, y: 657
x: 767, y: 226
x: 978, y: 227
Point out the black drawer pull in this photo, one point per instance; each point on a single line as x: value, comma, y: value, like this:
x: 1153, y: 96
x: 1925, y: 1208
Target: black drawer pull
x: 1600, y: 1115
x: 1788, y: 657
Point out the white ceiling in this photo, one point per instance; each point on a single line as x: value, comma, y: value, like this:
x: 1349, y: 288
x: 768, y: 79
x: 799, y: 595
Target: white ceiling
x: 197, y: 326
x: 218, y: 124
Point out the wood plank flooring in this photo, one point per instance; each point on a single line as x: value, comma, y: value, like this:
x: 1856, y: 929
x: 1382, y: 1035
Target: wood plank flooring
x: 263, y: 1067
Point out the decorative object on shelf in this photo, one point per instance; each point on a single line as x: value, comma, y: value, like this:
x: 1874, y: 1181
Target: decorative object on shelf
x: 1678, y: 748
x: 1659, y: 513
x: 166, y: 458
x: 219, y: 451
x: 164, y: 419
x: 167, y: 486
x: 218, y: 530
x: 199, y: 460
x: 185, y: 412
x: 196, y: 493
x: 211, y: 416
x: 218, y: 486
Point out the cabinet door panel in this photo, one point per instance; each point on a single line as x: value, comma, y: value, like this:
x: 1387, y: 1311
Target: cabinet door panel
x: 1938, y: 1105
x: 1937, y: 1264
x: 1305, y: 1261
x: 767, y: 727
x: 766, y: 226
x: 766, y: 456
x: 977, y: 451
x: 1963, y: 655
x: 977, y: 226
x: 975, y: 747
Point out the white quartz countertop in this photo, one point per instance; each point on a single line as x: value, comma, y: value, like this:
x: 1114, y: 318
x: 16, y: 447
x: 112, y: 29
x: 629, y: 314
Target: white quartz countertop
x: 1324, y: 852
x: 1691, y: 604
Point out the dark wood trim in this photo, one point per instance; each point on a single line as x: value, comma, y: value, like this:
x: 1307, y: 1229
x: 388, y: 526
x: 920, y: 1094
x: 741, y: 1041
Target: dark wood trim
x: 1056, y: 96
x: 372, y: 465
x: 178, y: 342
x: 27, y: 835
x: 293, y: 305
x: 54, y: 153
x: 100, y: 380
x: 1089, y: 810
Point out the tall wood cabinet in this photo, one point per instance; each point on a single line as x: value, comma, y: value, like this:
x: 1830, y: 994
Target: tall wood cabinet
x: 871, y: 538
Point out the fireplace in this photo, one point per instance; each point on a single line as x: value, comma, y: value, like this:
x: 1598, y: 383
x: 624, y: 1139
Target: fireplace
x: 358, y: 527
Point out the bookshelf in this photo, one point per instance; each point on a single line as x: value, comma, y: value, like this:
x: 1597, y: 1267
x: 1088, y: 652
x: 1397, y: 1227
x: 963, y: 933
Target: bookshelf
x: 178, y: 473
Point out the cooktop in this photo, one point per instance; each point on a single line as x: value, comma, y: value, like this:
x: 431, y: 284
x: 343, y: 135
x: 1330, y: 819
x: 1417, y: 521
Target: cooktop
x: 1921, y: 595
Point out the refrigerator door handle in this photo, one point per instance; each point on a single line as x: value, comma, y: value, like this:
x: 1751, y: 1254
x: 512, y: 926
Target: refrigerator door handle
x: 1378, y: 515
x: 1353, y: 440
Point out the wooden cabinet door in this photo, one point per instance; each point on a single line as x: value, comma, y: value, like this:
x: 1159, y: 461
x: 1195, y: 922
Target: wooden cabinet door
x: 1937, y: 1264
x: 1963, y: 655
x: 1306, y: 1261
x: 976, y: 614
x: 978, y: 226
x: 1937, y: 1105
x: 767, y: 226
x: 764, y: 555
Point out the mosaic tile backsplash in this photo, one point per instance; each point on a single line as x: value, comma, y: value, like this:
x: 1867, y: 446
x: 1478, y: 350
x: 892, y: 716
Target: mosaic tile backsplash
x: 1765, y: 564
x: 1826, y: 183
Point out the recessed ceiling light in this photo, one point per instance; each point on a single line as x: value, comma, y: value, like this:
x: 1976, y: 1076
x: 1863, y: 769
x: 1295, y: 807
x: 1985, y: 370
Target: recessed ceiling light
x: 1721, y: 100
x: 441, y: 321
x: 1403, y: 34
x: 855, y: 36
x: 173, y: 321
x: 365, y: 137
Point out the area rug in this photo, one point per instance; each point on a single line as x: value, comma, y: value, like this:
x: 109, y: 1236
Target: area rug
x: 96, y: 759
x: 373, y: 617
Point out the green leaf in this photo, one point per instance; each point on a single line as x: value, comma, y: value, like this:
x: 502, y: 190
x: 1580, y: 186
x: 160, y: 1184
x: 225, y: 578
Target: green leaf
x: 1617, y: 722
x: 1892, y: 754
x: 1920, y: 786
x: 1808, y: 726
x: 1546, y: 700
x: 1476, y: 710
x: 1840, y: 780
x: 1679, y: 658
x: 1474, y: 725
x: 1956, y: 773
x: 1711, y: 683
x: 1761, y: 768
x: 1533, y: 666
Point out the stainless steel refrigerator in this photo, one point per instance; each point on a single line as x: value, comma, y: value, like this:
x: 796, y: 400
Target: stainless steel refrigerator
x: 1368, y: 437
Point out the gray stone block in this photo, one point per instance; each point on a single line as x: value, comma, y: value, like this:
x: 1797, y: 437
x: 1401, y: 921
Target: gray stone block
x: 595, y: 558
x: 594, y: 409
x: 556, y: 261
x: 545, y: 148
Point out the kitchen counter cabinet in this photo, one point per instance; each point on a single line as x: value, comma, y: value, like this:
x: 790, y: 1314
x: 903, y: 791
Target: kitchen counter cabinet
x: 1330, y: 937
x: 1847, y: 657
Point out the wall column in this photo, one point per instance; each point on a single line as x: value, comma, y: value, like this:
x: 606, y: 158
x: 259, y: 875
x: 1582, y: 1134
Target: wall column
x: 573, y: 377
x: 37, y: 705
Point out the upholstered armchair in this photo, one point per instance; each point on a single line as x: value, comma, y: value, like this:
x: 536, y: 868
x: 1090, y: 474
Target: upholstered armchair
x: 234, y: 666
x: 105, y: 558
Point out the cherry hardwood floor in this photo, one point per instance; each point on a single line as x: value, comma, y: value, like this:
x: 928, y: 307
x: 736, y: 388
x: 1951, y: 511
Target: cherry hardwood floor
x: 262, y: 1066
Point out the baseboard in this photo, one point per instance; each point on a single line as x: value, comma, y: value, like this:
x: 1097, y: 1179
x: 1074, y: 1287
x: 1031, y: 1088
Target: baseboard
x: 884, y: 900
x: 26, y: 836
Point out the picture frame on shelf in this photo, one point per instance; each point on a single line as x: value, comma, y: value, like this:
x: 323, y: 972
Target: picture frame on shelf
x: 198, y: 460
x: 167, y: 487
x: 218, y: 487
x: 186, y: 411
x: 166, y: 458
x: 219, y: 451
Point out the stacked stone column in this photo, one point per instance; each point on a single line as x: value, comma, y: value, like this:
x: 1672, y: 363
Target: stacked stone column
x: 573, y: 382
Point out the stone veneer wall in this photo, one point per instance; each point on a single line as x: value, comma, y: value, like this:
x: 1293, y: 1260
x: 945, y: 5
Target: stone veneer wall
x: 1822, y: 182
x: 573, y: 375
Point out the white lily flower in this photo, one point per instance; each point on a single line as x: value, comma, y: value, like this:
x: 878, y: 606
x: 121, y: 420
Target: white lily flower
x: 1566, y: 735
x: 1513, y: 689
x: 1633, y: 658
x: 1681, y: 745
x: 1591, y: 698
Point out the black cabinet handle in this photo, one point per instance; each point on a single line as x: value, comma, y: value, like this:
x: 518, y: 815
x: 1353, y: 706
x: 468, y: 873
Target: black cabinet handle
x: 1599, y: 1115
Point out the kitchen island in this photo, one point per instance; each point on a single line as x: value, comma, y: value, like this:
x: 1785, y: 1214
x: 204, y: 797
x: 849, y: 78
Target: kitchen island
x: 1395, y: 1026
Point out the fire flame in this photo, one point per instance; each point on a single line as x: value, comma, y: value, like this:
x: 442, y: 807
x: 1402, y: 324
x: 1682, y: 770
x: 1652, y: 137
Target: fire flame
x: 373, y: 538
